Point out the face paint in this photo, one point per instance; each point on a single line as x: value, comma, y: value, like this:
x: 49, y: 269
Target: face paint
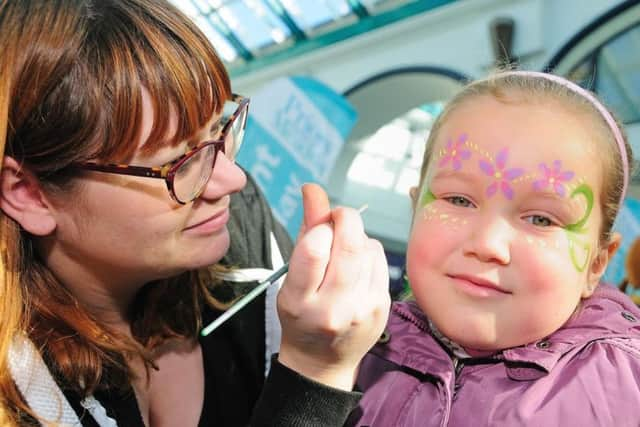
x: 431, y: 213
x: 572, y: 230
x: 426, y: 197
x: 549, y: 175
x: 455, y: 152
x: 501, y: 176
x: 553, y: 177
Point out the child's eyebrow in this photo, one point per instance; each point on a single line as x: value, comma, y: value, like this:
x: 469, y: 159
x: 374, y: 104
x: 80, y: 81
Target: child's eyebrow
x: 571, y: 206
x: 546, y: 194
x: 448, y: 173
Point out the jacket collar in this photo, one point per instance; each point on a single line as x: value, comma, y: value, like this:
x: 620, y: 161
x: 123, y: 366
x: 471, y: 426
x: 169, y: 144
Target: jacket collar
x: 608, y: 313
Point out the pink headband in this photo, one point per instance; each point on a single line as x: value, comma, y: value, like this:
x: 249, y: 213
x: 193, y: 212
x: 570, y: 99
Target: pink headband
x: 603, y: 111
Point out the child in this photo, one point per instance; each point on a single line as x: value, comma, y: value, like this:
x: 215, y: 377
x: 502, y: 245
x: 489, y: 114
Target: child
x: 521, y: 181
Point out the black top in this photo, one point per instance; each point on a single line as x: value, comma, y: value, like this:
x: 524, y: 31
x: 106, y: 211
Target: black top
x: 234, y: 381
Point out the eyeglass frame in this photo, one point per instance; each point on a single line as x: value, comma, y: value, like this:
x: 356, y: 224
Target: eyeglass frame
x: 169, y: 169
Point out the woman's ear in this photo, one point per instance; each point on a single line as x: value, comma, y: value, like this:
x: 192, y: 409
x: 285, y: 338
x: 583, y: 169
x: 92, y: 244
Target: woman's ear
x: 22, y: 199
x: 600, y: 262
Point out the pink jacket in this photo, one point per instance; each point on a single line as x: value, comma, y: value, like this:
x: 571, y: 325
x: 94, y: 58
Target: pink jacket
x: 585, y: 374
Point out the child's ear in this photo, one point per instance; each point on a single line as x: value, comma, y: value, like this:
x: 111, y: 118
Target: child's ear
x: 600, y: 262
x: 413, y: 193
x: 22, y: 199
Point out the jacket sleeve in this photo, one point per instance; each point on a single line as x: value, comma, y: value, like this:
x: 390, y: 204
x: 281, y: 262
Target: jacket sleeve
x: 292, y: 400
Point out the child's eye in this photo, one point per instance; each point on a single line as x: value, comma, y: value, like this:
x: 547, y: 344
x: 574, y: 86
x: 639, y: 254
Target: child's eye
x: 459, y: 201
x: 539, y: 220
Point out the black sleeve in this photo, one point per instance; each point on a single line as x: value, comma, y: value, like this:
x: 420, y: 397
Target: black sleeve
x: 292, y: 400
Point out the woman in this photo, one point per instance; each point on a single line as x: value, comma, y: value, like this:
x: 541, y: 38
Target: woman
x: 118, y: 131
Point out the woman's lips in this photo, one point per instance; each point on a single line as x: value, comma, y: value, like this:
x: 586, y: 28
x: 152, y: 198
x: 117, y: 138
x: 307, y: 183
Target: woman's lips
x: 212, y: 224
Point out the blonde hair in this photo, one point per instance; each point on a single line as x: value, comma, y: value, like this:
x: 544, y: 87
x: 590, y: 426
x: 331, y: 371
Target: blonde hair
x: 512, y: 87
x: 71, y: 73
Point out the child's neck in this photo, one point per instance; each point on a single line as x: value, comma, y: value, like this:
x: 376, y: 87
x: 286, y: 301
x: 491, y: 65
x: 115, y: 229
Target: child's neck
x: 458, y: 350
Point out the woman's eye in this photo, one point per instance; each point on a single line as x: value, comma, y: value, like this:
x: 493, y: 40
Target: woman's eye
x: 459, y: 201
x: 539, y: 221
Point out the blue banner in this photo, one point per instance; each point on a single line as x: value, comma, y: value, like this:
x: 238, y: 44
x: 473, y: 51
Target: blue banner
x: 295, y: 131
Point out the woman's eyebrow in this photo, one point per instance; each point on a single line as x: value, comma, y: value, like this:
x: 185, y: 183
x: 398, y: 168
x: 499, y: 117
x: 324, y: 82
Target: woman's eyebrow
x: 216, y: 123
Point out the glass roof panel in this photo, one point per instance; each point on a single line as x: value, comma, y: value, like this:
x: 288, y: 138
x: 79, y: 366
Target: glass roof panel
x: 311, y: 14
x: 254, y: 24
x: 250, y: 34
x: 221, y: 43
x: 197, y: 10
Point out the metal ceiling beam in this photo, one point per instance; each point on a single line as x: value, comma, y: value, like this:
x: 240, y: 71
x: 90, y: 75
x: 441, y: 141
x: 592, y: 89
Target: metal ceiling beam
x: 363, y: 25
x: 358, y: 8
x: 276, y: 7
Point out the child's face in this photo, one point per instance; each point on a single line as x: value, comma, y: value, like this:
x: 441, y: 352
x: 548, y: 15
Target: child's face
x: 505, y: 236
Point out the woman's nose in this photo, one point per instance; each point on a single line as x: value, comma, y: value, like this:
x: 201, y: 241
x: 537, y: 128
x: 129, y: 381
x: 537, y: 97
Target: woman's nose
x: 226, y: 178
x: 490, y: 240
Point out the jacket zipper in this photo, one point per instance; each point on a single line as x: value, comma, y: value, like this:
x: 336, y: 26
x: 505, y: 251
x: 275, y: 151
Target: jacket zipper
x: 457, y: 368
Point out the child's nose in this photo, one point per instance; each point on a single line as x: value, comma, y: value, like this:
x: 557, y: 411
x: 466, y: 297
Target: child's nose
x: 490, y: 240
x: 227, y: 178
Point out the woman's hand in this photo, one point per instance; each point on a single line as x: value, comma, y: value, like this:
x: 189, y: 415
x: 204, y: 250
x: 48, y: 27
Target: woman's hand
x: 335, y: 300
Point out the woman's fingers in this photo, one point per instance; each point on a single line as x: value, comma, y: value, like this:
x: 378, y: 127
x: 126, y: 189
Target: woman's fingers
x: 310, y: 257
x: 335, y: 300
x: 316, y: 206
x: 348, y: 253
x: 308, y: 262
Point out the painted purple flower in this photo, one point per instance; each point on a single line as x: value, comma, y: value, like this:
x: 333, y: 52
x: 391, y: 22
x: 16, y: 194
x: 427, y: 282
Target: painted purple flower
x: 500, y: 175
x: 455, y: 153
x: 553, y: 177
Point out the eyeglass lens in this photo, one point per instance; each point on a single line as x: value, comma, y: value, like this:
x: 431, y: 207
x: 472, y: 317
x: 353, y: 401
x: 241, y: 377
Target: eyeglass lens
x: 192, y: 176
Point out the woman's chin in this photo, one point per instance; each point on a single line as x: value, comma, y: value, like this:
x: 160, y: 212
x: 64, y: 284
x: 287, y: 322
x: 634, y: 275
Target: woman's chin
x: 211, y: 253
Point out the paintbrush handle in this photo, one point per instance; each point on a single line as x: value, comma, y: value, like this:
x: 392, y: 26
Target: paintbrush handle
x: 246, y: 299
x: 238, y: 305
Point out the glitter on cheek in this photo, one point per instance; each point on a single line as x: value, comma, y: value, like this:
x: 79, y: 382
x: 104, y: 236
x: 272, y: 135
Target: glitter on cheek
x: 544, y: 244
x: 430, y: 213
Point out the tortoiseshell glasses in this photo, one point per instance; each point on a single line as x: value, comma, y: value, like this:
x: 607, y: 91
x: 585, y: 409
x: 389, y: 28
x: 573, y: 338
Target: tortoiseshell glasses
x: 187, y: 176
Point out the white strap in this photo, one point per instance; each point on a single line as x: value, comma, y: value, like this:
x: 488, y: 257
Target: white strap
x: 36, y: 384
x: 40, y: 391
x: 272, y: 330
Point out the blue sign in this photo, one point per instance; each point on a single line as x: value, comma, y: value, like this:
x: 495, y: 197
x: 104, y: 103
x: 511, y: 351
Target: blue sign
x: 627, y: 224
x: 295, y: 131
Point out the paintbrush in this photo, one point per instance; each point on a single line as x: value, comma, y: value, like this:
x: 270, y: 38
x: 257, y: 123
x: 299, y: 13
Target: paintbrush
x: 246, y: 299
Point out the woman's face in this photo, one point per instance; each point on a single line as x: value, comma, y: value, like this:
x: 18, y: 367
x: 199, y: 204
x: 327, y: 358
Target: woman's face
x: 129, y: 230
